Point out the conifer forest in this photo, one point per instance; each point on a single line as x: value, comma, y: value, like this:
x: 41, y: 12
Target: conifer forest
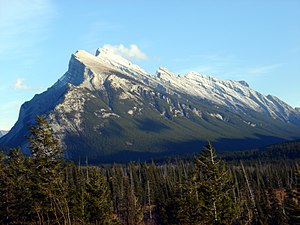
x: 44, y: 188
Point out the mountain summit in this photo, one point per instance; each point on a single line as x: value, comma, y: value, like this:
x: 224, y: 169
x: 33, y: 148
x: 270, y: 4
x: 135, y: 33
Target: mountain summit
x: 106, y: 108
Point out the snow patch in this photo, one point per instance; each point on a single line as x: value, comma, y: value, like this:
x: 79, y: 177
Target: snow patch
x: 250, y: 123
x: 103, y: 113
x: 216, y: 115
x: 107, y: 115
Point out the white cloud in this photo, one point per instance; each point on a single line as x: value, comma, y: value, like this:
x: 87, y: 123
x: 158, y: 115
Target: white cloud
x: 132, y: 52
x: 20, y: 85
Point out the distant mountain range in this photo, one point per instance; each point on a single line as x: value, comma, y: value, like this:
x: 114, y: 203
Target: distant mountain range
x: 105, y: 108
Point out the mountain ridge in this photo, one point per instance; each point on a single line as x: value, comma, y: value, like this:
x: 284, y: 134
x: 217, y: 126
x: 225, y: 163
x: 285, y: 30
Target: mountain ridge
x: 105, y: 105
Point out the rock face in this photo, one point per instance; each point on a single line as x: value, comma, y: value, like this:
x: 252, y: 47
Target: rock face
x: 106, y: 108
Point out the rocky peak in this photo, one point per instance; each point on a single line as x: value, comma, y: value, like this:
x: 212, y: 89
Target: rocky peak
x: 194, y: 75
x: 75, y: 72
x: 163, y: 73
x: 108, y: 57
x: 244, y: 83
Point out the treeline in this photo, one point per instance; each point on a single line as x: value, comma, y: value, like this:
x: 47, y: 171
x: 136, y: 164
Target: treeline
x: 288, y: 151
x: 45, y: 189
x: 180, y: 193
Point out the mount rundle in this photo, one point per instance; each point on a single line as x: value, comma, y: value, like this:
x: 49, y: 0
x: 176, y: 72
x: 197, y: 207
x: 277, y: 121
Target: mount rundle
x: 105, y: 108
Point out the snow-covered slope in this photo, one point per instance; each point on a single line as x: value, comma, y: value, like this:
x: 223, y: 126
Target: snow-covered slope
x: 89, y: 70
x: 116, y: 61
x: 104, y: 104
x: 235, y: 95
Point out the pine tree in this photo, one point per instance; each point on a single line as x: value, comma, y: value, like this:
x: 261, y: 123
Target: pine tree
x: 4, y: 192
x: 43, y: 145
x: 131, y: 211
x: 98, y: 205
x: 215, y: 187
x: 15, y: 192
x: 188, y: 203
x: 47, y: 174
x: 76, y: 195
x: 19, y: 184
x: 116, y: 183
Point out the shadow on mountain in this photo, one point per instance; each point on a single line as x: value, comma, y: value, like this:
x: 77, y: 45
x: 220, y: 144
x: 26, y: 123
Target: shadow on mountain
x: 245, y: 144
x: 151, y: 125
x: 173, y: 150
x: 113, y: 129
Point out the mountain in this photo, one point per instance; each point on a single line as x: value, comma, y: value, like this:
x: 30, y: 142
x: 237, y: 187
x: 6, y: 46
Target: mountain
x: 105, y: 108
x: 3, y: 132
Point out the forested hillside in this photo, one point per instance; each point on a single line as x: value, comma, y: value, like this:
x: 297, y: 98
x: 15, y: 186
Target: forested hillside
x: 45, y: 189
x: 287, y: 151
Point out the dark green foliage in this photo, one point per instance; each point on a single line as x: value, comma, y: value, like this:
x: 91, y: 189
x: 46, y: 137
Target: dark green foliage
x: 131, y: 212
x: 88, y: 196
x: 16, y: 196
x: 189, y: 208
x: 44, y: 189
x: 98, y: 206
x: 40, y: 189
x: 277, y: 152
x: 215, y: 189
x: 48, y: 189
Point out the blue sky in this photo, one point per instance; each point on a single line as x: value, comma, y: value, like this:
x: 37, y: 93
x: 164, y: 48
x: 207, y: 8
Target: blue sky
x: 257, y: 41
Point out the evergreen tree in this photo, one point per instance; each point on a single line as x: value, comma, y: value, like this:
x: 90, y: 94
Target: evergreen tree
x: 47, y: 173
x: 19, y: 184
x: 215, y: 188
x: 116, y: 183
x: 189, y: 205
x: 43, y: 145
x: 77, y: 200
x: 98, y: 204
x: 4, y: 192
x: 15, y: 192
x: 131, y: 211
